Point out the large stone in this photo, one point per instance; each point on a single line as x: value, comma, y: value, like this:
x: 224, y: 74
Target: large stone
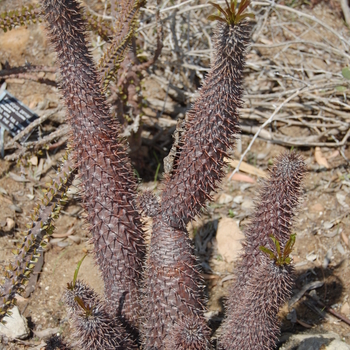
x: 229, y: 239
x: 16, y: 326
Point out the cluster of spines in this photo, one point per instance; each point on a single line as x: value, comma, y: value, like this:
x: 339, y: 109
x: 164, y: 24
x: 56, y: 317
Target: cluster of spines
x: 108, y: 182
x: 264, y: 282
x: 189, y: 333
x: 209, y: 129
x: 95, y: 328
x: 123, y: 32
x: 18, y: 272
x: 149, y: 204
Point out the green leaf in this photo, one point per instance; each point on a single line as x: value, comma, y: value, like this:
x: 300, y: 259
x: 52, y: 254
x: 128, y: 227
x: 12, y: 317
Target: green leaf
x: 289, y: 245
x: 216, y: 18
x: 245, y: 15
x: 242, y: 6
x: 77, y: 270
x: 231, y: 213
x: 233, y: 6
x: 346, y: 73
x: 219, y: 8
x: 341, y: 88
x: 277, y: 245
x: 269, y: 252
x: 80, y: 303
x: 287, y: 260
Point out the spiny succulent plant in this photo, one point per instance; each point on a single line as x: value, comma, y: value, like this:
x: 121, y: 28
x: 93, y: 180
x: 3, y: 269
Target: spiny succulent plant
x: 108, y: 182
x: 19, y: 271
x: 156, y: 301
x: 209, y: 134
x: 95, y: 327
x: 149, y: 204
x: 210, y: 128
x: 25, y: 15
x: 264, y: 281
x: 123, y: 32
x: 189, y: 333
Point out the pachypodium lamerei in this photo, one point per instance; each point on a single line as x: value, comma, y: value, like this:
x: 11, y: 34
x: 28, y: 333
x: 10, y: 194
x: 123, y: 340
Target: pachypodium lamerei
x: 264, y: 276
x: 155, y: 300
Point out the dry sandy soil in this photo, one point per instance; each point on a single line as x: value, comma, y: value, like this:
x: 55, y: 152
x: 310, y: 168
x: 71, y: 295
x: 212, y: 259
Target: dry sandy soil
x: 323, y: 224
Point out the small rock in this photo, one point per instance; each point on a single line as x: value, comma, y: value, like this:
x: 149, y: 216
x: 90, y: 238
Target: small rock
x: 328, y: 258
x: 16, y: 208
x: 229, y: 239
x: 328, y: 225
x: 16, y: 326
x: 46, y: 332
x: 10, y: 224
x: 75, y: 239
x: 34, y: 160
x: 311, y: 257
x: 324, y: 341
x: 238, y: 199
x: 341, y: 249
x: 225, y: 198
x: 247, y: 204
x: 341, y: 200
x: 63, y: 244
x: 345, y: 309
x: 316, y: 208
x: 345, y: 238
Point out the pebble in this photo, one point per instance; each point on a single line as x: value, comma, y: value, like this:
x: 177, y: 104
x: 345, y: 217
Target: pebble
x: 311, y: 257
x: 316, y: 208
x: 16, y: 326
x: 238, y: 199
x: 10, y: 223
x: 247, y: 204
x: 225, y: 198
x: 340, y: 249
x: 345, y: 309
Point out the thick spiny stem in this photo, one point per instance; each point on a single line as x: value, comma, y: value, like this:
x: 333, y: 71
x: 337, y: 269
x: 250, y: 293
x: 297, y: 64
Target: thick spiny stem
x: 262, y: 286
x: 109, y: 186
x: 210, y: 129
x: 173, y: 287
